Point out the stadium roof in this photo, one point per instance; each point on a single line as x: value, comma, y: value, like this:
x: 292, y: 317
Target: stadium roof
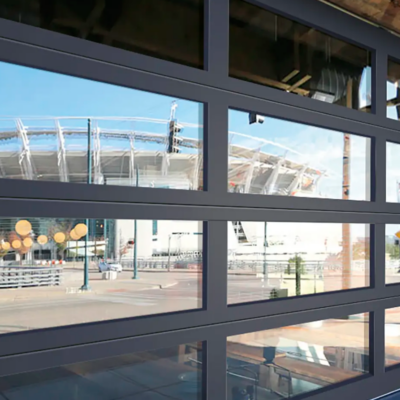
x: 55, y: 149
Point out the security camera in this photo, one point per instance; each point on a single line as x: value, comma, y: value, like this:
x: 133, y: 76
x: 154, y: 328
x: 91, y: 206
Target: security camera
x: 256, y: 119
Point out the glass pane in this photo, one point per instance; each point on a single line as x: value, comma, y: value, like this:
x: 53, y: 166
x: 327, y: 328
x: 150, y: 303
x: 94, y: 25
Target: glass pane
x: 392, y: 253
x: 392, y: 172
x: 275, y: 51
x: 285, y: 362
x: 136, y: 138
x: 278, y: 157
x: 171, y: 373
x: 269, y: 260
x: 167, y: 29
x: 392, y: 90
x: 58, y: 271
x: 392, y: 336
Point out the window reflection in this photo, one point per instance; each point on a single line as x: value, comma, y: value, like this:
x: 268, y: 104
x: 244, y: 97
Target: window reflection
x: 170, y: 373
x: 278, y: 157
x: 286, y: 362
x: 392, y: 172
x: 392, y: 256
x: 275, y: 51
x: 392, y: 336
x: 269, y: 260
x: 123, y: 136
x: 167, y: 29
x: 392, y: 90
x: 56, y: 272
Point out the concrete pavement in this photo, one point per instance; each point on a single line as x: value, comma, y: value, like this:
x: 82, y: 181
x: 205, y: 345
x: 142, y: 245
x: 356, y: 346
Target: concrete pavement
x: 155, y: 292
x: 42, y: 307
x: 74, y: 280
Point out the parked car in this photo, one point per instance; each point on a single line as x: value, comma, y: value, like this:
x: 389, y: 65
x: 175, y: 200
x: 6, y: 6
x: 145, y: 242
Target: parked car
x: 105, y: 266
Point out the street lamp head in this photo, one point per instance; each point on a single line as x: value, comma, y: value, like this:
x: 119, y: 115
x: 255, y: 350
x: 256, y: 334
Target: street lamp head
x: 81, y: 229
x: 42, y: 239
x: 23, y: 227
x: 59, y: 237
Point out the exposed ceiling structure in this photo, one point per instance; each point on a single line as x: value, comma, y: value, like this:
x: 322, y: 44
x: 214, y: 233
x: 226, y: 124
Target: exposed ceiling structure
x: 142, y: 26
x: 385, y: 13
x: 276, y: 51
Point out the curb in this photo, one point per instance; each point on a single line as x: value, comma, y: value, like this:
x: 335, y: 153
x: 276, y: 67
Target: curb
x: 21, y: 297
x: 154, y: 270
x: 243, y: 273
x: 168, y: 285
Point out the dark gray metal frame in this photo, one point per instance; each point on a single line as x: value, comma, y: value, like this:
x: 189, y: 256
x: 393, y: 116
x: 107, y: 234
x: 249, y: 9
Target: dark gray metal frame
x: 212, y: 86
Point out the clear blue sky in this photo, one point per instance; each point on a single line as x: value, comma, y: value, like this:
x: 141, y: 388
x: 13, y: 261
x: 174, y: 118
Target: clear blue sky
x: 27, y: 92
x: 32, y: 92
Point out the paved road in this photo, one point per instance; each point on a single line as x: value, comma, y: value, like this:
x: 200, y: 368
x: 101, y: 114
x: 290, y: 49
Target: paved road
x: 122, y: 298
x: 89, y: 307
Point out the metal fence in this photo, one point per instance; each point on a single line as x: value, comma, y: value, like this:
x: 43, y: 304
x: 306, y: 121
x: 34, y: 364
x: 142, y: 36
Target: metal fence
x: 18, y: 277
x: 163, y: 264
x: 274, y: 266
x: 308, y: 267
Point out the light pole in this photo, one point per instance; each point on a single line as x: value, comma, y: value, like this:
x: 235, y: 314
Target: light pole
x: 179, y: 234
x: 85, y: 285
x: 169, y: 252
x: 265, y: 272
x: 135, y: 272
x: 135, y: 251
x: 105, y: 239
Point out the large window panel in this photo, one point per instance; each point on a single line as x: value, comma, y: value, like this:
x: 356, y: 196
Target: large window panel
x: 167, y: 29
x: 285, y: 362
x: 63, y: 127
x: 392, y: 90
x: 269, y: 49
x: 392, y: 172
x: 392, y: 336
x: 392, y: 253
x: 277, y: 157
x: 59, y: 271
x: 272, y: 260
x: 168, y: 373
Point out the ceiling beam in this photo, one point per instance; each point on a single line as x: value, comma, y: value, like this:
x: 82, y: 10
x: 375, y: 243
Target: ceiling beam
x: 92, y: 19
x: 300, y: 82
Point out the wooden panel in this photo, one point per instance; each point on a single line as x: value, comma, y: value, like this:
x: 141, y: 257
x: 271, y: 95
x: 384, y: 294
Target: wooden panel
x: 382, y: 12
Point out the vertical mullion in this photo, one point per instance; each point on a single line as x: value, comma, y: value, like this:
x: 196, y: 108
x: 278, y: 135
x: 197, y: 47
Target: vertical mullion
x: 216, y: 303
x: 216, y: 56
x: 217, y: 61
x: 217, y: 269
x: 379, y: 78
x: 378, y: 256
x: 378, y: 171
x: 217, y: 38
x: 216, y: 146
x: 216, y: 368
x: 378, y: 154
x: 377, y: 342
x: 378, y: 277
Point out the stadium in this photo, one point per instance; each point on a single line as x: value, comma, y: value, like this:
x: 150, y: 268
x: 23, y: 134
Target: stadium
x: 167, y: 153
x: 56, y: 149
